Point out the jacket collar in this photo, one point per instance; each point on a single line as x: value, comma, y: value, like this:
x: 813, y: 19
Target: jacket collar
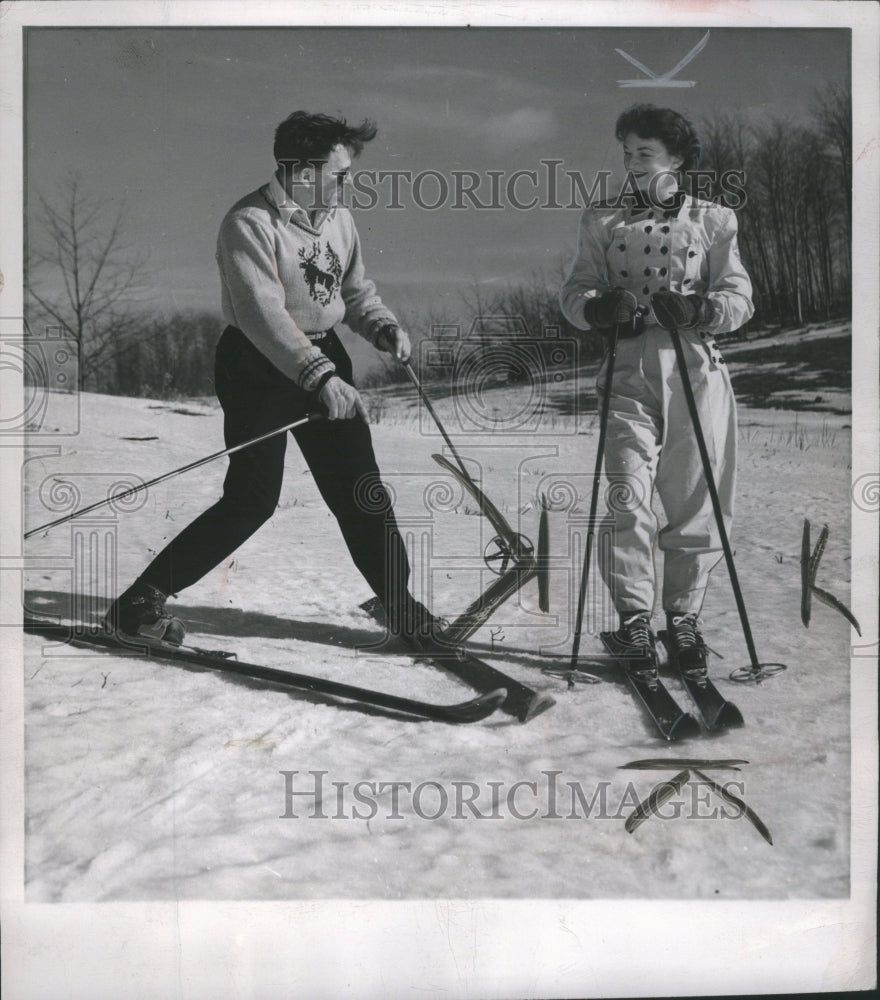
x: 286, y: 206
x: 669, y: 209
x: 289, y: 210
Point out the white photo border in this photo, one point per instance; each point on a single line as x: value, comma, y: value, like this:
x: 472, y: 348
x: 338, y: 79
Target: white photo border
x: 467, y: 948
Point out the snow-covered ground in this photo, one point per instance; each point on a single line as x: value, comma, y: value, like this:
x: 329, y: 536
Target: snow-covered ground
x: 148, y: 781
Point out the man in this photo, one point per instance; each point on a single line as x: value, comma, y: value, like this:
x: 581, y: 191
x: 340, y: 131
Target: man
x: 291, y: 269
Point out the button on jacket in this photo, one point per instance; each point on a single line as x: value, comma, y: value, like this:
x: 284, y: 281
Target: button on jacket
x: 693, y: 252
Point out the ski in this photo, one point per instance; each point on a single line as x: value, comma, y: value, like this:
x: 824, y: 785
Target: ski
x: 715, y: 710
x: 734, y: 800
x: 93, y: 637
x: 493, y: 515
x: 512, y: 553
x: 641, y: 675
x: 666, y: 763
x: 520, y: 701
x: 484, y: 606
x: 660, y: 794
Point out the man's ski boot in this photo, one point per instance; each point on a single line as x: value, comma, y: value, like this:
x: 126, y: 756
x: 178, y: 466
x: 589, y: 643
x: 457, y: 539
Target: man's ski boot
x: 412, y: 622
x: 635, y: 645
x: 688, y: 652
x: 140, y: 611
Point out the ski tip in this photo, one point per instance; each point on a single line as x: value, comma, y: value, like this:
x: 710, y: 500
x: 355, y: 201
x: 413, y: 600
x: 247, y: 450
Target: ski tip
x: 537, y: 705
x: 685, y: 727
x: 481, y: 707
x: 729, y: 717
x: 494, y: 698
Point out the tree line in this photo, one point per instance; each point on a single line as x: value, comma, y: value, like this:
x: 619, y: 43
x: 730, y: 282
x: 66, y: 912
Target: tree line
x: 83, y: 281
x: 795, y: 226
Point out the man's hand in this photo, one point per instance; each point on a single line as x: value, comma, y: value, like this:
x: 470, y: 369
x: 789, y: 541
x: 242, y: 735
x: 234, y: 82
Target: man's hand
x: 342, y: 400
x: 393, y: 340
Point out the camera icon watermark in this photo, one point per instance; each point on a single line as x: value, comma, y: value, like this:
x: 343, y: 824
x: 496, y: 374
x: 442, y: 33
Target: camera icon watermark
x: 39, y: 371
x: 498, y: 377
x: 70, y: 570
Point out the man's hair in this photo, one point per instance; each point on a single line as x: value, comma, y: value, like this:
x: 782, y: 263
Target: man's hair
x: 672, y: 129
x: 302, y: 138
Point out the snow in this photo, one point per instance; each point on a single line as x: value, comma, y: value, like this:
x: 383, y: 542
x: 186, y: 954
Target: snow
x: 151, y: 781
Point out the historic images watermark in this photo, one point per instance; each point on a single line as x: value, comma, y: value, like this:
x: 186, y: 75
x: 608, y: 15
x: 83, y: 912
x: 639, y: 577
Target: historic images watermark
x: 547, y: 186
x: 315, y: 794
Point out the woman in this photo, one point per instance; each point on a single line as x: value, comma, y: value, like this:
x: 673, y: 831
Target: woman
x: 650, y: 260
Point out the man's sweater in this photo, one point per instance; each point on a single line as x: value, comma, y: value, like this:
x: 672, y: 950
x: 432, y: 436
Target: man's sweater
x: 282, y: 279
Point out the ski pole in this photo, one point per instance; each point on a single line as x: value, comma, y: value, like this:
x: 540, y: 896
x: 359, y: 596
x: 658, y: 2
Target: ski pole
x: 758, y: 670
x: 170, y: 475
x: 514, y: 542
x: 415, y: 381
x: 594, y: 498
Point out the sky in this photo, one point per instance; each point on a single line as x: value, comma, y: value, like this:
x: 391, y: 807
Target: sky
x: 176, y: 124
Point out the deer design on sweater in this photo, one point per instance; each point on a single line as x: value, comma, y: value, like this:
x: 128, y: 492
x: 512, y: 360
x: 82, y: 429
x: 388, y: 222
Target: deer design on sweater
x: 322, y: 283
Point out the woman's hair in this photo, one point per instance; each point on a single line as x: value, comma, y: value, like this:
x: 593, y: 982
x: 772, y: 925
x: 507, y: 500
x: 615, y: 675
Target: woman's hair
x: 672, y: 129
x: 303, y: 137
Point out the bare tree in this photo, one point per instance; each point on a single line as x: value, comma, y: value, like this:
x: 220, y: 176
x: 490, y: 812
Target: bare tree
x: 84, y: 278
x: 795, y: 221
x: 832, y: 112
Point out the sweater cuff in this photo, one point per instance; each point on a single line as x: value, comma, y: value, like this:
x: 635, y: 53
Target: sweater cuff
x: 375, y: 327
x: 315, y: 364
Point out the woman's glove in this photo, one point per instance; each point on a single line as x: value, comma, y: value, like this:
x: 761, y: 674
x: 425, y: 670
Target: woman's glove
x: 614, y: 308
x: 684, y: 312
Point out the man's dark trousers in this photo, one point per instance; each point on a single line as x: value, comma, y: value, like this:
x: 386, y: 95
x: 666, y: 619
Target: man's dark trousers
x: 256, y: 397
